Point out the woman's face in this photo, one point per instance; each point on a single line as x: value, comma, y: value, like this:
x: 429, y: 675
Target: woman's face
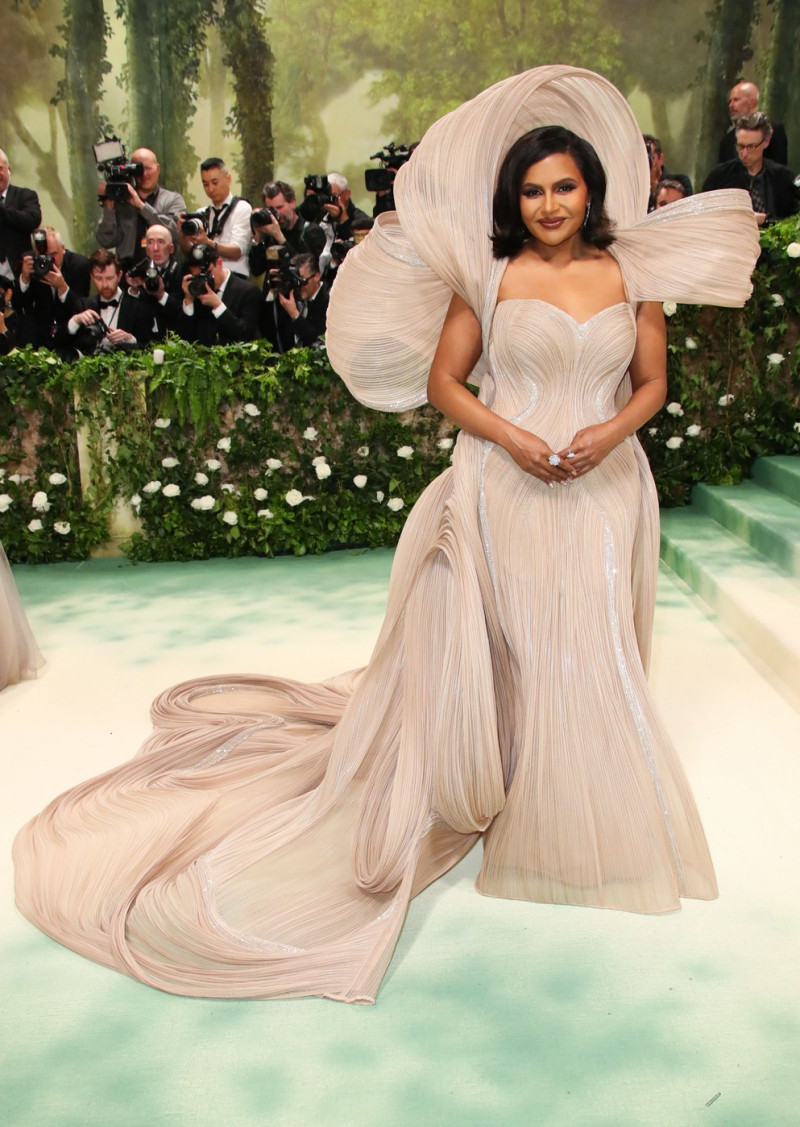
x: 553, y: 199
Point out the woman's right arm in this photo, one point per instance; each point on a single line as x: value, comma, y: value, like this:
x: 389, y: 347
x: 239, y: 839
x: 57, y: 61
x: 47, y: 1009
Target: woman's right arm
x: 457, y: 353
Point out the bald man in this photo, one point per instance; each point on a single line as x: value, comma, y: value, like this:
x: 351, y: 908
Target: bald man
x: 742, y: 101
x: 123, y: 224
x: 20, y: 214
x: 162, y: 290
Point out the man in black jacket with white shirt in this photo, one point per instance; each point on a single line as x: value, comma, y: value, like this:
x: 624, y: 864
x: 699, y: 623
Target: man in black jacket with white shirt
x: 20, y: 214
x: 46, y: 303
x: 225, y: 308
x: 112, y: 319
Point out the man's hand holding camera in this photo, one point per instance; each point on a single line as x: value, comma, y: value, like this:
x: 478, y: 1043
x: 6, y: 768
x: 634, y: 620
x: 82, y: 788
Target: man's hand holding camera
x: 114, y: 336
x: 53, y: 277
x: 272, y: 228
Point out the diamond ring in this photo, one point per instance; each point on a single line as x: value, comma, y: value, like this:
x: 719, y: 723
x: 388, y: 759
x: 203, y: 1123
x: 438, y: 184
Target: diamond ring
x: 554, y: 460
x: 570, y: 453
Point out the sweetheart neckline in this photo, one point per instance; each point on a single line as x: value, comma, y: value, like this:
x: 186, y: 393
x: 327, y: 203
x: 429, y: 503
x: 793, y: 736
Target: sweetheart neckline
x: 558, y: 309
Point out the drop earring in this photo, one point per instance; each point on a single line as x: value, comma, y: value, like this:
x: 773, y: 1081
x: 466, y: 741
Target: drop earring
x: 588, y: 213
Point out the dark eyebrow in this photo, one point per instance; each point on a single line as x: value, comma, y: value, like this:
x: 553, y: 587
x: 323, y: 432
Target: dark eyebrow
x: 557, y: 184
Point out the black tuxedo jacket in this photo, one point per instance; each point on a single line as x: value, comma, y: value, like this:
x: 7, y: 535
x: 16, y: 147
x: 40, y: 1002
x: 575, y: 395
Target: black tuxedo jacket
x: 165, y: 317
x: 75, y: 269
x: 19, y: 215
x: 239, y: 321
x: 777, y: 150
x: 283, y: 333
x: 42, y: 314
x: 782, y: 182
x: 134, y: 317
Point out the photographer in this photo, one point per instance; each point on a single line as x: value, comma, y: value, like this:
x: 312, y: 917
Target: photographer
x: 50, y: 287
x: 219, y: 307
x: 123, y: 223
x: 224, y: 224
x: 19, y: 215
x: 278, y: 224
x: 111, y: 320
x: 296, y: 309
x: 158, y: 280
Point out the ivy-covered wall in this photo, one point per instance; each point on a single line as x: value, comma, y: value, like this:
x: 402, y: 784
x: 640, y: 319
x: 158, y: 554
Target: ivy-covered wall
x: 231, y: 451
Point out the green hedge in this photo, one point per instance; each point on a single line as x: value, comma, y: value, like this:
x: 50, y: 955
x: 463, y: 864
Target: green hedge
x: 734, y: 396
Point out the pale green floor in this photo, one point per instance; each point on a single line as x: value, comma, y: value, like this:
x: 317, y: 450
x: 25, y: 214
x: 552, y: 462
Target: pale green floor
x: 493, y: 1012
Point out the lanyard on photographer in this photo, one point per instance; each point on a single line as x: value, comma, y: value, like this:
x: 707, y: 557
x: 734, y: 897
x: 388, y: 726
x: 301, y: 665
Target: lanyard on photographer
x: 220, y: 217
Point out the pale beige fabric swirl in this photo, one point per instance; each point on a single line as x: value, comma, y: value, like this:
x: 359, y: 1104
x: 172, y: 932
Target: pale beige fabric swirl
x: 19, y: 654
x: 267, y: 840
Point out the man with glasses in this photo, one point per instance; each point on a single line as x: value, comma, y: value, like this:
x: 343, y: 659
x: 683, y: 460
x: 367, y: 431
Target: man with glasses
x: 774, y: 189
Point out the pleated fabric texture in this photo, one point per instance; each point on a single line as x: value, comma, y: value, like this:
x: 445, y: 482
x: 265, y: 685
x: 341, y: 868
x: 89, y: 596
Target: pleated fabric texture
x: 19, y: 655
x: 268, y: 838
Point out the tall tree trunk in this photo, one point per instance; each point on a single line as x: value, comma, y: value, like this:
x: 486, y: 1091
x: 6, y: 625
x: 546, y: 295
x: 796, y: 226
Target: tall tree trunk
x: 248, y: 55
x: 781, y: 95
x: 733, y: 21
x: 84, y: 52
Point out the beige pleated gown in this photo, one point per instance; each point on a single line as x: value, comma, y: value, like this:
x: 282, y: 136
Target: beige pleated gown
x: 268, y: 837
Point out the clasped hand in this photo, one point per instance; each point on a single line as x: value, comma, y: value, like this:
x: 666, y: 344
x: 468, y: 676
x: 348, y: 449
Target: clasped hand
x: 588, y: 448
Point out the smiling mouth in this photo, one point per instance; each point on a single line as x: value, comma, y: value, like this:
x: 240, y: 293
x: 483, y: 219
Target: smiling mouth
x: 551, y: 223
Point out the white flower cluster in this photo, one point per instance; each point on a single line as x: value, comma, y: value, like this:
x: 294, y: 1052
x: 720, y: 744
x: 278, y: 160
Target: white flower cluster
x: 251, y: 410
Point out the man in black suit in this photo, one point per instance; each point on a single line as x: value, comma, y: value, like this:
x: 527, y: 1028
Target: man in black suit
x: 157, y: 280
x: 19, y: 215
x: 742, y: 101
x: 774, y: 189
x: 47, y: 301
x: 112, y: 319
x: 296, y: 319
x: 219, y: 307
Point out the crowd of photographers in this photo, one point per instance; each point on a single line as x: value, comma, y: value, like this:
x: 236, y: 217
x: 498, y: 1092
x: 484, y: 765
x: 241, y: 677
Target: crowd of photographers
x: 224, y: 273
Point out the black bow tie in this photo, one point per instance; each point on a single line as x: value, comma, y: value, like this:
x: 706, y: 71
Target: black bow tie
x: 109, y: 304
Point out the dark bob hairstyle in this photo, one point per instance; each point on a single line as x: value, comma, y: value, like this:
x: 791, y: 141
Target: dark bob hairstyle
x: 510, y: 233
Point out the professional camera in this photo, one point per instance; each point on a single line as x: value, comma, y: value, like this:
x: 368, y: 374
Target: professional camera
x: 381, y: 179
x: 96, y: 331
x: 194, y: 222
x: 149, y: 272
x: 43, y: 262
x: 281, y: 275
x: 202, y: 256
x: 117, y: 169
x: 339, y: 249
x: 317, y: 193
x: 262, y: 217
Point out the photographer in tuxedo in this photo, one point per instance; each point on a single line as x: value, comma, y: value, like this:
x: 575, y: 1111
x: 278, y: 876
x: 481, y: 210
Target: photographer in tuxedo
x: 157, y: 280
x: 20, y: 215
x: 46, y: 298
x: 219, y: 307
x: 112, y: 319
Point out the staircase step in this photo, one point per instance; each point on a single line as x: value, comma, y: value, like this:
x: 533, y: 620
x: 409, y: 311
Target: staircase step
x: 768, y: 521
x: 780, y: 473
x: 749, y: 594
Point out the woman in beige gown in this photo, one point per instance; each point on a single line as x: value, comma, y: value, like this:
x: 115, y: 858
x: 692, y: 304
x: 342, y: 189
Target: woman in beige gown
x: 267, y: 839
x: 19, y: 654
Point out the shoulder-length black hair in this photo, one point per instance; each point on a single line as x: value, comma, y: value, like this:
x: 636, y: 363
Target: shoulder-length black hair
x: 510, y: 233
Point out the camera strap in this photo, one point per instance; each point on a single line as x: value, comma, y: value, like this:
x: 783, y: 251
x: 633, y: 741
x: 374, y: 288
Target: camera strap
x: 221, y: 216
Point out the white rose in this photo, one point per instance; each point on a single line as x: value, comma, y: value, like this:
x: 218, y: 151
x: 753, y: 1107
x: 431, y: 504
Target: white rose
x: 169, y: 463
x: 62, y: 527
x: 797, y: 426
x: 230, y: 517
x: 171, y: 490
x: 260, y: 494
x: 15, y: 477
x: 323, y: 471
x: 135, y: 501
x: 5, y: 502
x: 669, y: 308
x: 224, y: 444
x: 265, y: 513
x: 228, y: 488
x: 395, y: 504
x: 203, y: 503
x: 775, y: 358
x: 320, y: 458
x: 674, y: 409
x: 162, y: 424
x: 675, y: 442
x: 777, y: 299
x: 793, y: 250
x: 693, y: 430
x: 294, y: 497
x: 158, y: 355
x: 310, y: 433
x: 274, y: 463
x: 725, y: 400
x: 690, y: 343
x: 405, y: 452
x: 56, y: 479
x: 379, y: 495
x: 363, y: 451
x: 151, y: 487
x: 35, y: 525
x: 212, y: 464
x: 444, y: 443
x: 40, y: 502
x: 201, y: 478
x: 251, y: 410
x: 652, y: 431
x: 360, y: 480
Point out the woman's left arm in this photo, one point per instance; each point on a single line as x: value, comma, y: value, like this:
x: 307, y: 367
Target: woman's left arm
x: 648, y: 372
